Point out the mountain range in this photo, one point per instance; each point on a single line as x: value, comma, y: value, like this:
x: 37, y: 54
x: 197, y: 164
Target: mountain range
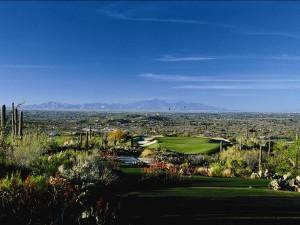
x: 153, y: 105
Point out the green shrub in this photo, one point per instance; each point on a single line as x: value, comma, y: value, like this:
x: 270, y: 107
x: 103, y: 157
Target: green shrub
x: 284, y: 158
x: 55, y: 201
x: 29, y: 148
x: 88, y: 169
x: 241, y: 162
x: 216, y: 169
x: 10, y: 181
x: 38, y: 182
x: 48, y: 165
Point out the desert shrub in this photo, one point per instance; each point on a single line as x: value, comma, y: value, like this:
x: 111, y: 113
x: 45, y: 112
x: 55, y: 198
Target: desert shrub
x: 229, y: 155
x: 48, y: 165
x: 37, y: 200
x: 148, y: 153
x: 251, y: 159
x: 203, y: 171
x: 241, y: 162
x: 14, y: 180
x: 8, y: 167
x: 170, y: 157
x: 161, y: 173
x: 285, y: 182
x: 88, y: 169
x: 216, y: 169
x: 10, y: 181
x: 5, y: 147
x: 198, y: 160
x: 38, y: 182
x: 29, y: 148
x: 284, y: 158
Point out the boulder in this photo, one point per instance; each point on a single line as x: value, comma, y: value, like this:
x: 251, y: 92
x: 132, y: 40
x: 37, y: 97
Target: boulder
x: 201, y: 171
x: 274, y: 184
x: 227, y: 173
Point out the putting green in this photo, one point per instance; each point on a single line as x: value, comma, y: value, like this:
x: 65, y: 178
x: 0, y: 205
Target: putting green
x: 186, y: 145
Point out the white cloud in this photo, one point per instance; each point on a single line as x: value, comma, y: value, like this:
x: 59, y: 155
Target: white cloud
x: 130, y: 14
x: 25, y: 66
x: 168, y: 58
x: 184, y: 78
x: 240, y: 87
x: 267, y: 33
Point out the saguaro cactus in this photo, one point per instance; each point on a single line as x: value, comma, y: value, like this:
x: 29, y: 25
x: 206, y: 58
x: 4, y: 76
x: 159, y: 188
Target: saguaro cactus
x: 16, y: 121
x: 260, y: 157
x: 90, y: 132
x: 13, y: 119
x: 87, y: 140
x: 105, y: 140
x: 3, y: 116
x: 21, y: 120
x: 132, y: 142
x: 80, y: 140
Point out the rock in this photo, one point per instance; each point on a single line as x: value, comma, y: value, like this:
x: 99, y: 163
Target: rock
x: 227, y: 173
x: 210, y: 171
x: 290, y: 184
x: 201, y: 171
x: 254, y: 176
x: 274, y: 185
x: 286, y: 176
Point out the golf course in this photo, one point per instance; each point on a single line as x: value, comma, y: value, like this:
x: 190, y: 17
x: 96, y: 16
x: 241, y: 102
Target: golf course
x: 186, y: 145
x: 212, y: 200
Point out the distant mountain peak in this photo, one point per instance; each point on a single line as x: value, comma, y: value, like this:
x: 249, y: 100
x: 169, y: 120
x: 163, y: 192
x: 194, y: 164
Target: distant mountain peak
x: 151, y: 105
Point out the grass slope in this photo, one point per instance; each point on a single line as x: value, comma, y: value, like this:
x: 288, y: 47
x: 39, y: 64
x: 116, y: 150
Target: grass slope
x: 216, y: 192
x: 213, y: 200
x: 209, y: 187
x: 187, y: 145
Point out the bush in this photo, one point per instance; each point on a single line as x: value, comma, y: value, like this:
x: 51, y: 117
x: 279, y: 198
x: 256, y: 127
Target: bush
x: 241, y: 162
x: 38, y: 200
x: 216, y: 170
x: 198, y: 160
x: 29, y: 148
x: 285, y: 182
x: 283, y: 159
x: 161, y: 173
x: 48, y: 165
x: 148, y: 153
x: 88, y: 169
x: 11, y: 181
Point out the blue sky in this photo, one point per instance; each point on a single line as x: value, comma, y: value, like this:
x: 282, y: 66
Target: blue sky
x: 235, y: 55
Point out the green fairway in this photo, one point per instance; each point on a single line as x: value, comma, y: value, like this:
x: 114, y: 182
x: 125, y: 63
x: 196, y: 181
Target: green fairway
x: 203, y: 187
x: 202, y: 181
x: 186, y: 145
x: 216, y: 192
x: 137, y: 171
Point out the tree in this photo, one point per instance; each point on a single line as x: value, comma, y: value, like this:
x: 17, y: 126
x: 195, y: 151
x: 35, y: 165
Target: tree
x: 117, y: 136
x: 285, y: 158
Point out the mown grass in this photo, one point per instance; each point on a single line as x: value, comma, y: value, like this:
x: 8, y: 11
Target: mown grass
x: 202, y: 181
x: 212, y: 187
x: 216, y: 192
x: 186, y: 145
x: 137, y: 171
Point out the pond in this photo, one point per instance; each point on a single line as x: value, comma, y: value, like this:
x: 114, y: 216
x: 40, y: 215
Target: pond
x: 131, y: 160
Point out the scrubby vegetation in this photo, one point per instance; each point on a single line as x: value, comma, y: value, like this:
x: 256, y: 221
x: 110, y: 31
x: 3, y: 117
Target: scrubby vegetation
x: 82, y: 176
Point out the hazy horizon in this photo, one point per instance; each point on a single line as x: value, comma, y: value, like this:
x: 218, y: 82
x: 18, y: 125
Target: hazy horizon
x: 236, y: 55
